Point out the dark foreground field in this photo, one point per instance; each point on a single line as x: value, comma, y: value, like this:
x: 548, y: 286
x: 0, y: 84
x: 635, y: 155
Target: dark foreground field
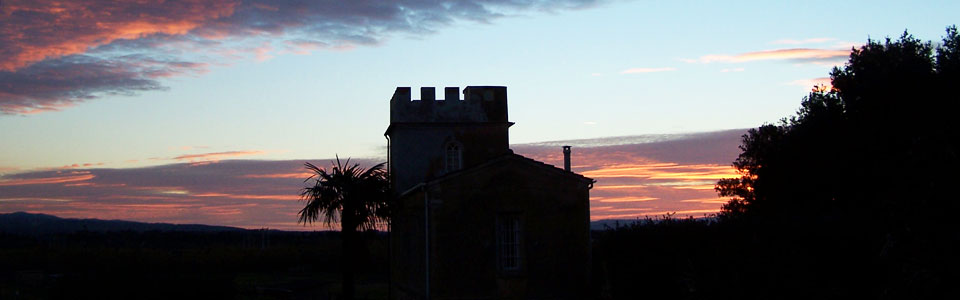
x: 177, y: 265
x: 667, y: 258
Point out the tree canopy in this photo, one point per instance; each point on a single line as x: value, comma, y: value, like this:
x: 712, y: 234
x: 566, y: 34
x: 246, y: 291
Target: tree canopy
x: 864, y: 176
x: 882, y: 140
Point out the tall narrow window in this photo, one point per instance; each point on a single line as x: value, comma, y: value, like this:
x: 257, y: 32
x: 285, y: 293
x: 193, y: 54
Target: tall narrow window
x: 453, y: 160
x: 508, y: 242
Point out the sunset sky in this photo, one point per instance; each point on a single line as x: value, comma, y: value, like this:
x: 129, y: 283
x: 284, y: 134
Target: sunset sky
x: 204, y: 111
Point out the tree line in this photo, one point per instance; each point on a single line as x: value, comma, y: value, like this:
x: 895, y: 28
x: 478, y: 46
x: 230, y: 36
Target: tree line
x: 855, y: 196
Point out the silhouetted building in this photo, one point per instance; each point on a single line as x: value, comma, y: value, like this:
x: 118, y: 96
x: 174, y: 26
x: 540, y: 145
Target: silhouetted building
x: 477, y: 221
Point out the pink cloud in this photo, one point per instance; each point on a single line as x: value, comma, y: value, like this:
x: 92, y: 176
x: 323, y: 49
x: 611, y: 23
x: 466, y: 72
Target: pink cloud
x: 291, y: 196
x: 622, y: 199
x: 84, y: 165
x: 106, y: 47
x: 636, y: 177
x: 46, y: 30
x: 216, y: 155
x: 70, y: 177
x: 649, y: 175
x: 794, y: 54
x: 300, y: 175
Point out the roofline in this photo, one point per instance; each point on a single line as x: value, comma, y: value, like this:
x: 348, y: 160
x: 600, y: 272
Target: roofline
x: 412, y: 189
x: 509, y: 155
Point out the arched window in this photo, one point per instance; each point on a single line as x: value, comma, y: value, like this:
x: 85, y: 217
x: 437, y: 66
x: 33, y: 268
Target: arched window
x: 452, y: 157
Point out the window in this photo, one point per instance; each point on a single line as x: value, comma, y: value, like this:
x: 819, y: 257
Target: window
x: 452, y: 157
x: 508, y: 242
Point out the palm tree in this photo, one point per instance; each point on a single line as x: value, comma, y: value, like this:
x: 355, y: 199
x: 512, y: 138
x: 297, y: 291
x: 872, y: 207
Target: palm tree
x: 356, y: 197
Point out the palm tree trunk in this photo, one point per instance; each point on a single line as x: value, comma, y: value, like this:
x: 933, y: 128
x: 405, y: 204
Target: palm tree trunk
x: 350, y: 262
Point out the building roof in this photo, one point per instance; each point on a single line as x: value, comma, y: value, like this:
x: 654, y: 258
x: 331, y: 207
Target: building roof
x: 498, y: 160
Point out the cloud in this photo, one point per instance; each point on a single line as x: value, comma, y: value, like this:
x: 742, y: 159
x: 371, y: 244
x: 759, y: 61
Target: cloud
x: 33, y: 31
x: 636, y: 176
x: 227, y: 193
x: 732, y: 70
x: 801, y: 55
x: 55, y: 84
x: 55, y: 54
x: 83, y: 165
x: 646, y: 70
x: 622, y: 199
x: 52, y: 178
x: 648, y: 175
x: 216, y: 156
x: 814, y: 84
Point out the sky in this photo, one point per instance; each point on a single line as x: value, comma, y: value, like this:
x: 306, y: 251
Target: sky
x: 204, y: 111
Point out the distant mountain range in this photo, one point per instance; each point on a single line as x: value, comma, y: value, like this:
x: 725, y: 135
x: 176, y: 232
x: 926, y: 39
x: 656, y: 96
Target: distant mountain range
x: 41, y: 224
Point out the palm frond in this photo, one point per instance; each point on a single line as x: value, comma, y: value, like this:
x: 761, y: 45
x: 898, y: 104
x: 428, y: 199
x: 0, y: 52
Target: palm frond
x: 356, y: 197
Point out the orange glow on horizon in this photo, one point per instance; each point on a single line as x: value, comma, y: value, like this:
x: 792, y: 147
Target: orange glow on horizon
x: 622, y: 199
x: 239, y: 196
x: 297, y: 175
x: 664, y: 171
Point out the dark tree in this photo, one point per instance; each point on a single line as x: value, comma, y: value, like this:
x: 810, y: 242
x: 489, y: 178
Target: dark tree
x: 356, y: 197
x: 873, y: 161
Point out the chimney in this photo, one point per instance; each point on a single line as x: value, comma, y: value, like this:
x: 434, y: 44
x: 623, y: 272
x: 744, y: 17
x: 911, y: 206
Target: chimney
x: 566, y: 158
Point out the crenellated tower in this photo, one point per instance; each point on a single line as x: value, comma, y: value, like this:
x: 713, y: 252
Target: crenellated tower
x: 431, y: 137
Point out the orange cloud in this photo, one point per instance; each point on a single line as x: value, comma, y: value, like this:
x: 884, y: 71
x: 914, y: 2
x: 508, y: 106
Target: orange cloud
x: 663, y: 171
x: 46, y: 180
x: 248, y: 196
x: 623, y: 186
x: 216, y: 155
x: 28, y: 199
x: 73, y: 166
x: 649, y: 175
x: 623, y: 199
x: 711, y: 200
x: 802, y: 54
x: 682, y: 212
x: 297, y: 175
x: 72, y: 27
x: 99, y: 185
x: 31, y: 110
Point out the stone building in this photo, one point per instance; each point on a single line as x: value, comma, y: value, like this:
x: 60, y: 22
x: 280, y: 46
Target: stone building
x: 477, y: 221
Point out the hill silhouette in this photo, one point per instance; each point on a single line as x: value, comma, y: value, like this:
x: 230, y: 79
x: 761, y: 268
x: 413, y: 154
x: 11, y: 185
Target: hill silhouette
x: 24, y: 223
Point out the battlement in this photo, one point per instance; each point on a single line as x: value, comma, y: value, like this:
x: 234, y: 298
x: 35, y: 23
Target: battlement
x: 479, y: 104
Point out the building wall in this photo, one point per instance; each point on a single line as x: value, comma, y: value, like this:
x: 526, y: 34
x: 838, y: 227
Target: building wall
x: 419, y: 130
x: 407, y: 255
x: 554, y: 213
x: 456, y: 237
x: 417, y: 150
